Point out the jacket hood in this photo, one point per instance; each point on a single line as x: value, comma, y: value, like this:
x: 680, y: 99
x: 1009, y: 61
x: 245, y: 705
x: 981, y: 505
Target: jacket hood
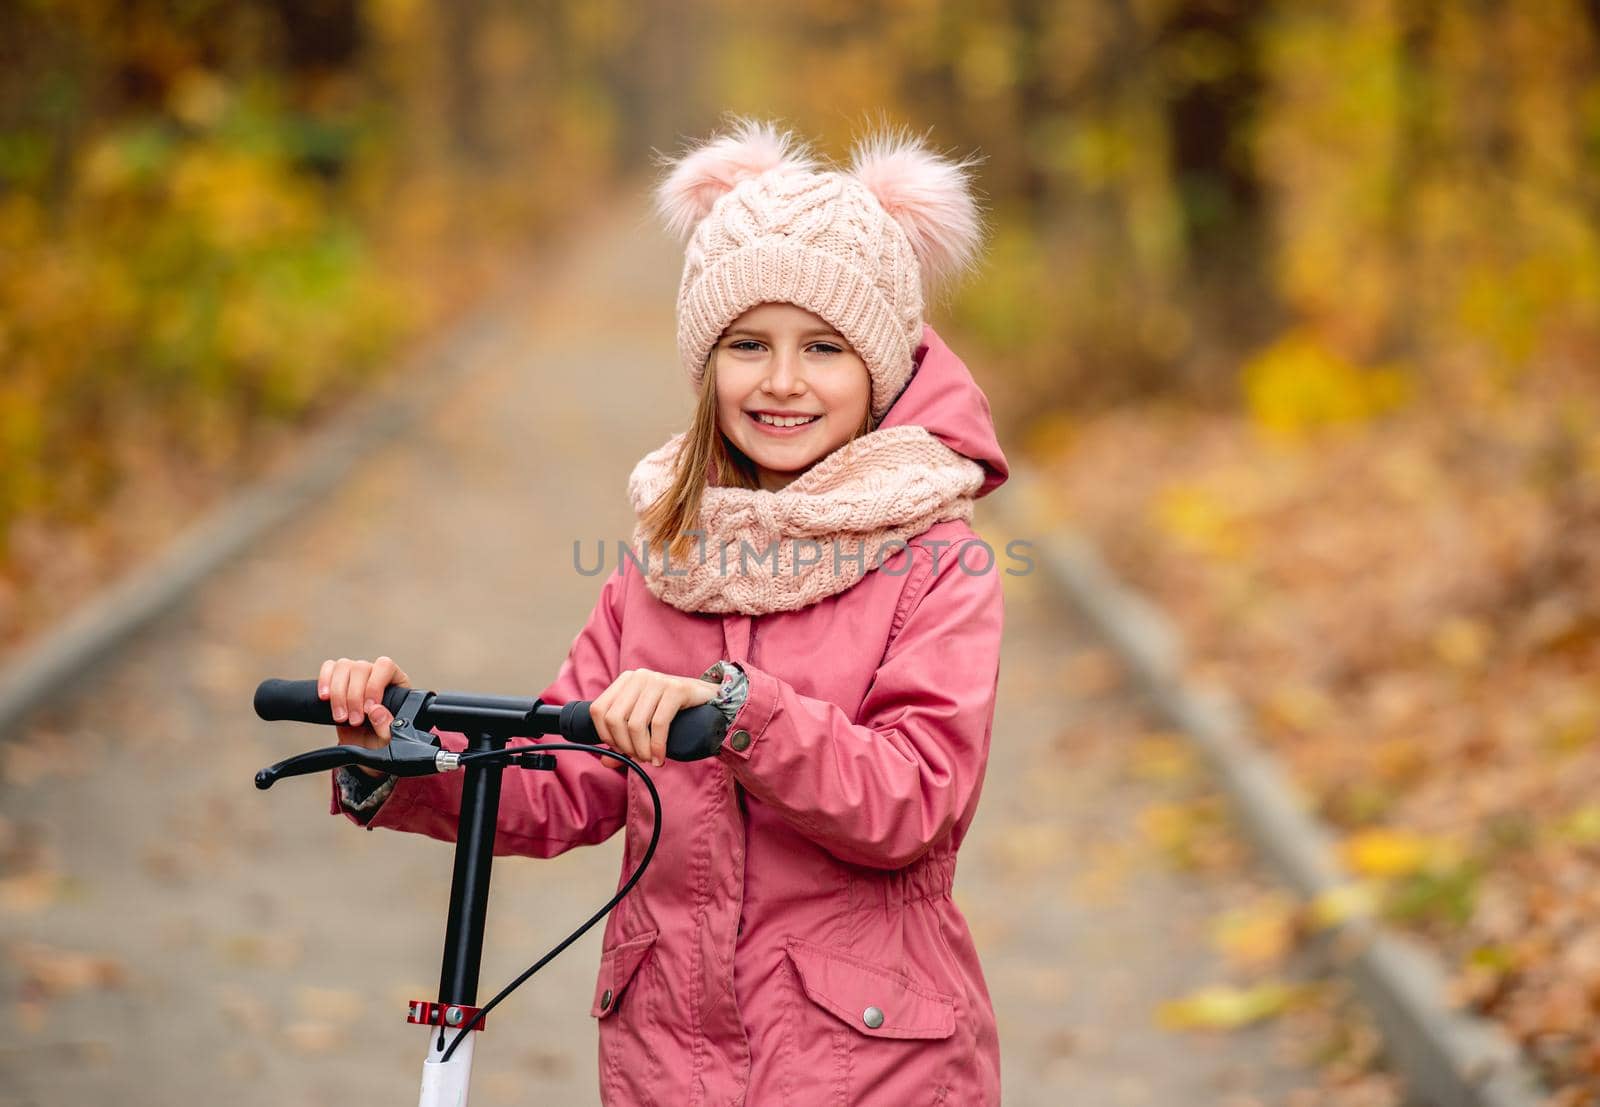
x: 943, y: 398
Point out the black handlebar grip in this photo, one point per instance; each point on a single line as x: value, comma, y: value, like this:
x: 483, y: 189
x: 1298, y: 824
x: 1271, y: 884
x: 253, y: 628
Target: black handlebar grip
x: 695, y: 733
x: 297, y: 701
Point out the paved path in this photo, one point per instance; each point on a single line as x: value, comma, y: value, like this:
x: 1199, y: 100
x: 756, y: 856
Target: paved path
x: 176, y: 937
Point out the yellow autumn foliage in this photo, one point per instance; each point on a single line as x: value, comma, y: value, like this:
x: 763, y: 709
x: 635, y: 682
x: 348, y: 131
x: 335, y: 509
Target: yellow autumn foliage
x: 1298, y: 385
x: 1202, y: 520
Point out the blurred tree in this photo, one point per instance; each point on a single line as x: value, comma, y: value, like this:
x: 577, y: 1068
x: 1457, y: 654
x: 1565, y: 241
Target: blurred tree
x: 462, y: 22
x: 1176, y: 188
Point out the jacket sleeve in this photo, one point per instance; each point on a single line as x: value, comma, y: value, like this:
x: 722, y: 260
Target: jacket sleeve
x: 886, y: 789
x: 361, y: 794
x: 542, y: 813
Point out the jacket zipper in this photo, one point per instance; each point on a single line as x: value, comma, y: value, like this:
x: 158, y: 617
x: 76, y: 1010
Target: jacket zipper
x: 738, y: 789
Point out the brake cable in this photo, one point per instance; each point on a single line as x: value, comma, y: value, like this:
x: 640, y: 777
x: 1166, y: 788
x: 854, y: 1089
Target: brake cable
x: 511, y: 754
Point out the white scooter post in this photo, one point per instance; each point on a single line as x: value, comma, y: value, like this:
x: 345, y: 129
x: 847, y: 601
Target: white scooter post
x: 444, y: 1083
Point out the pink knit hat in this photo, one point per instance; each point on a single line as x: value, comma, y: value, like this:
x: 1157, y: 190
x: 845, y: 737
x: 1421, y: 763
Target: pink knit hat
x: 853, y: 246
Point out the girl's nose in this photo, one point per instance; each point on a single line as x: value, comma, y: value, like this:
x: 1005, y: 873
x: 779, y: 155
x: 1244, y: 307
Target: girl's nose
x: 785, y: 376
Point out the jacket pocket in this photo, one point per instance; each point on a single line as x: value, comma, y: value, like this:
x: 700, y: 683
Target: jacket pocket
x: 618, y: 964
x: 873, y: 1000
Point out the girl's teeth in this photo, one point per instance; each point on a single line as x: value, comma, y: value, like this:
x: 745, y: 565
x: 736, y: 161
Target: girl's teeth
x: 793, y: 421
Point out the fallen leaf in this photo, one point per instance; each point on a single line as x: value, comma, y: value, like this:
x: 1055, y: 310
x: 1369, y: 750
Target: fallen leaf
x: 314, y: 1036
x: 1030, y: 846
x: 1260, y: 934
x: 1162, y: 757
x: 23, y: 893
x: 50, y: 972
x: 1224, y: 1007
x: 278, y: 951
x: 336, y: 1005
x: 1388, y: 851
x: 1461, y: 642
x: 1343, y: 903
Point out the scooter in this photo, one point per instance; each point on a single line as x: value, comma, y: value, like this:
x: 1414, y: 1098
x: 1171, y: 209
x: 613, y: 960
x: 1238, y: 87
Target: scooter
x: 490, y: 723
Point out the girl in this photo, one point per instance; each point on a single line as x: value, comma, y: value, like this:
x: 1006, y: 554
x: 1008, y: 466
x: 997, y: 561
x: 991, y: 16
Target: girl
x: 795, y: 940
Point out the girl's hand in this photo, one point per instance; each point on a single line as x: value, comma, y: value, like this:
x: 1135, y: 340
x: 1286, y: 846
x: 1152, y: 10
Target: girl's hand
x: 354, y: 691
x: 633, y: 715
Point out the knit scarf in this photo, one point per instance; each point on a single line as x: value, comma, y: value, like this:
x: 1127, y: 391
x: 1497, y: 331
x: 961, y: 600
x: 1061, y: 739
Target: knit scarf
x: 781, y: 551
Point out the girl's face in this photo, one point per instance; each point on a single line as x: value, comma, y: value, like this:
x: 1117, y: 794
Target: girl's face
x: 781, y: 360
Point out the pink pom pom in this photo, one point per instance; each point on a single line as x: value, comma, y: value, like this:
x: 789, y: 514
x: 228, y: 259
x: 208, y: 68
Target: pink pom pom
x: 927, y: 195
x: 700, y: 176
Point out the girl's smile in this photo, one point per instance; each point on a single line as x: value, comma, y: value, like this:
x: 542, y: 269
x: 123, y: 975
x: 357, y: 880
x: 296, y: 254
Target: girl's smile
x: 782, y: 423
x: 790, y: 390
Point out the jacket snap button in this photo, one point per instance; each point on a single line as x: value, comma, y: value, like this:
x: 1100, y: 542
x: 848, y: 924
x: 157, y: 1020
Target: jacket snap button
x: 740, y: 740
x: 873, y: 1017
x: 605, y: 1001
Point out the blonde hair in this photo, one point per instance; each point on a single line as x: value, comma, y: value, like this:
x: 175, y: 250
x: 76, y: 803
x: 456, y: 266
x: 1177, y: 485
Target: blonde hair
x: 677, y: 510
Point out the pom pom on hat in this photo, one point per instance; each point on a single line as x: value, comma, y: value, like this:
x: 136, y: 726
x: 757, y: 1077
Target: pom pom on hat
x: 705, y: 173
x: 929, y: 196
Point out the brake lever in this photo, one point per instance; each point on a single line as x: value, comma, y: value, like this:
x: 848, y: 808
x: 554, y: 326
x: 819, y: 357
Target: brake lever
x: 410, y: 752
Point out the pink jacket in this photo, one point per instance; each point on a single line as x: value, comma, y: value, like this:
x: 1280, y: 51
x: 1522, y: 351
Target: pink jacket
x: 794, y: 940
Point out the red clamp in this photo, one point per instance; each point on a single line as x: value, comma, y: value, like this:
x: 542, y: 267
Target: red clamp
x: 454, y: 1015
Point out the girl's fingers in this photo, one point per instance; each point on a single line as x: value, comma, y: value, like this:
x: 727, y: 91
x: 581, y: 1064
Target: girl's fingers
x: 384, y: 673
x: 634, y: 714
x: 619, y: 718
x: 355, y: 685
x: 349, y: 686
x: 338, y: 677
x: 597, y: 714
x: 598, y: 711
x: 642, y: 716
x: 377, y: 683
x: 609, y: 712
x: 660, y: 723
x: 701, y: 691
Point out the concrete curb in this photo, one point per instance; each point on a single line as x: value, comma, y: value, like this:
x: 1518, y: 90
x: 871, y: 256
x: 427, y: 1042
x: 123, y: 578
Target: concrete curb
x: 1449, y: 1059
x: 48, y: 666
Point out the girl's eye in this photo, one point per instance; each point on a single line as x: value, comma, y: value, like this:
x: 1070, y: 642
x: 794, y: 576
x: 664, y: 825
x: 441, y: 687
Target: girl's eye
x: 751, y: 344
